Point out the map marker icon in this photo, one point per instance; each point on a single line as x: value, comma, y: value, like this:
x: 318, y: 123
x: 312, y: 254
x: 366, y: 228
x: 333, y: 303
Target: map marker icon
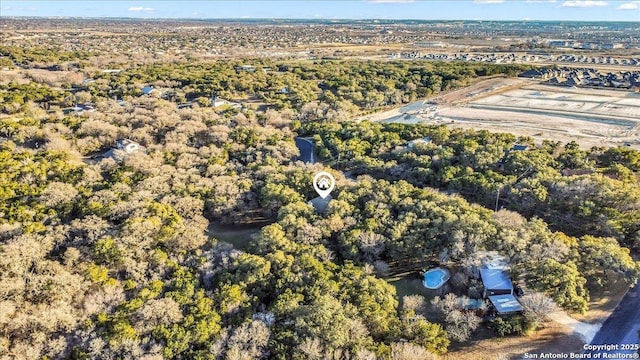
x: 324, y: 183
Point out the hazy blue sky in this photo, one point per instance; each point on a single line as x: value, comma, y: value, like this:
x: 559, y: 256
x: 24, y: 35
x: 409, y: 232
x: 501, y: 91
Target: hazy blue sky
x: 628, y: 10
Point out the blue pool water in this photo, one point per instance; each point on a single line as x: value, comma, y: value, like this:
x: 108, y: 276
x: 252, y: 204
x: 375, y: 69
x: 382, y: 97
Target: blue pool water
x: 435, y: 278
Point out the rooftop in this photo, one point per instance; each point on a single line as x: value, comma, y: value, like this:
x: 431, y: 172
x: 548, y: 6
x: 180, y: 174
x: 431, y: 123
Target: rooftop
x: 320, y: 204
x: 495, y: 279
x: 505, y: 303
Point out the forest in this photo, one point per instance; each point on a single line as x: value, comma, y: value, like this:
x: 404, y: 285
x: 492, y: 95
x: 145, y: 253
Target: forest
x: 110, y: 257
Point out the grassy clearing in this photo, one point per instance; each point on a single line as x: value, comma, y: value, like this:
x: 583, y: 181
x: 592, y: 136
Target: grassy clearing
x: 240, y: 236
x: 411, y: 284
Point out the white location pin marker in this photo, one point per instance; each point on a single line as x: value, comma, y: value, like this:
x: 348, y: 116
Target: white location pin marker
x: 324, y: 183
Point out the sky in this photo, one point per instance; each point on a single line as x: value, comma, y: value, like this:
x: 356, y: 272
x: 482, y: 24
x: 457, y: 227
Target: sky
x: 575, y: 10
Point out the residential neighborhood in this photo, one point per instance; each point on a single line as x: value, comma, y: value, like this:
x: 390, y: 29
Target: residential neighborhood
x: 586, y: 77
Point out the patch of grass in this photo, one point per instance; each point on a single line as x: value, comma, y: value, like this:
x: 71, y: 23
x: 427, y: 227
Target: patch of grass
x: 240, y: 236
x: 411, y: 284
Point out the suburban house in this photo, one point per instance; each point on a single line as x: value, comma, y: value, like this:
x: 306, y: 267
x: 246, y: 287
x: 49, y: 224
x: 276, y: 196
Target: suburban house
x: 148, y: 90
x: 124, y: 147
x: 248, y: 68
x: 78, y: 109
x: 498, y: 288
x: 425, y: 140
x: 129, y: 146
x: 218, y: 102
x: 594, y: 78
x: 547, y: 73
x: 495, y: 282
x: 516, y: 147
x: 519, y: 147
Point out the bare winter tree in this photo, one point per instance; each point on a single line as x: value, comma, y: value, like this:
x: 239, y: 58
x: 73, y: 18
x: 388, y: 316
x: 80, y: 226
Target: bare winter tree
x: 409, y: 351
x: 414, y: 304
x: 157, y: 312
x: 538, y: 305
x: 248, y: 341
x: 459, y: 324
x: 371, y: 245
x: 57, y: 193
x: 311, y: 348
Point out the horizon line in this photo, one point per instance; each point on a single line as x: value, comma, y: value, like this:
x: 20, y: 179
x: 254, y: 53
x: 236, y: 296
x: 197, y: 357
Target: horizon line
x: 302, y: 18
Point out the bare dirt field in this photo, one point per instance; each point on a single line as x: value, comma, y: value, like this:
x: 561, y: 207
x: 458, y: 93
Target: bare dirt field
x: 591, y: 117
x: 477, y: 90
x: 482, y: 89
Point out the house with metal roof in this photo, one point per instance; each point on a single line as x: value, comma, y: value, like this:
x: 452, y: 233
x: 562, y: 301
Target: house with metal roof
x: 499, y: 290
x: 495, y: 282
x: 148, y: 90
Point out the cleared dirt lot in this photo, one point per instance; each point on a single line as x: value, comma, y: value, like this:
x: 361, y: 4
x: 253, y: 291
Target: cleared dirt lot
x: 591, y: 117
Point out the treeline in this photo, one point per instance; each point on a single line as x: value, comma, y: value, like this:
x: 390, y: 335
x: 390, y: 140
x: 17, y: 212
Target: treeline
x: 367, y: 85
x: 319, y: 90
x: 14, y: 97
x: 39, y: 55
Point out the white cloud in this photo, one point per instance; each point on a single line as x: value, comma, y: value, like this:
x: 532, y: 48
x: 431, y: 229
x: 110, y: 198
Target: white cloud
x: 584, y: 3
x: 389, y: 1
x: 9, y: 8
x: 629, y: 6
x: 140, y: 9
x: 488, y: 1
x: 539, y: 1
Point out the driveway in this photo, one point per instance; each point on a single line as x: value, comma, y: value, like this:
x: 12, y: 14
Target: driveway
x: 306, y: 150
x: 586, y: 331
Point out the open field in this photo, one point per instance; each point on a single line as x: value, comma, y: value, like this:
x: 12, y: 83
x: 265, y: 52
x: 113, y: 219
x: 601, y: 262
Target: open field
x: 480, y: 88
x: 240, y: 236
x: 591, y: 117
x: 608, y: 103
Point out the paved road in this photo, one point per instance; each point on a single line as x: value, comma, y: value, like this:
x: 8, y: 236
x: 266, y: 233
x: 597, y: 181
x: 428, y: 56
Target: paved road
x: 306, y: 149
x: 622, y: 326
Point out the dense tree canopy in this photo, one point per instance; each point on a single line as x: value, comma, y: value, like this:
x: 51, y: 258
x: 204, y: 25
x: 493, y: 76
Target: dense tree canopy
x: 110, y: 257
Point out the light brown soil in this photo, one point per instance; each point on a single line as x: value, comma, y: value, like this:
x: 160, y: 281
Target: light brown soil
x: 603, y: 301
x: 591, y: 117
x: 482, y: 89
x: 555, y: 338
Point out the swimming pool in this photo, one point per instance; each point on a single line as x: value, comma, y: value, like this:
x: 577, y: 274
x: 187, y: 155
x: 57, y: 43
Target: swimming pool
x: 435, y: 278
